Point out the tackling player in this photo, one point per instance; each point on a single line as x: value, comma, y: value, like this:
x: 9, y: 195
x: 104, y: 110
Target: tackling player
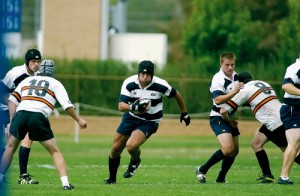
x: 139, y: 122
x: 30, y: 106
x: 263, y: 101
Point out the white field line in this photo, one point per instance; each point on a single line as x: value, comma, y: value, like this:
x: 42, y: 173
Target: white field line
x: 48, y: 166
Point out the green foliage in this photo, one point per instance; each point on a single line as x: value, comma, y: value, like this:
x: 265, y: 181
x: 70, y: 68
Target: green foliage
x: 219, y: 26
x: 264, y: 35
x: 255, y: 30
x: 289, y: 34
x: 167, y: 168
x: 98, y: 83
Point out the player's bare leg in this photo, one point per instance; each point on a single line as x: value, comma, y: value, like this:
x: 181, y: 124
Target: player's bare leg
x: 59, y: 162
x: 11, y: 147
x: 133, y: 144
x: 293, y: 138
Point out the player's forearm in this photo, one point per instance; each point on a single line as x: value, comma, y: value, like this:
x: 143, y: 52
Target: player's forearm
x: 224, y: 98
x: 123, y: 107
x: 180, y: 102
x: 291, y: 89
x: 224, y: 114
x: 71, y: 112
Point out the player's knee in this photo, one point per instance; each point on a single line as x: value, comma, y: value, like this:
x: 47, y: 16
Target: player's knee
x: 228, y: 150
x: 27, y: 142
x: 116, y: 152
x: 256, y: 146
x: 130, y: 147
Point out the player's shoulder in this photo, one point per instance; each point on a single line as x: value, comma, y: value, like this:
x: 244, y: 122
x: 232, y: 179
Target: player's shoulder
x: 131, y: 78
x: 218, y: 79
x: 257, y: 83
x: 158, y: 80
x: 17, y: 70
x: 53, y: 79
x: 219, y: 76
x: 293, y: 68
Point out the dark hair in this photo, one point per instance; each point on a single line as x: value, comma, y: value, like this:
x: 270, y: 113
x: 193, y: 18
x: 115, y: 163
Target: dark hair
x: 32, y: 54
x: 244, y: 77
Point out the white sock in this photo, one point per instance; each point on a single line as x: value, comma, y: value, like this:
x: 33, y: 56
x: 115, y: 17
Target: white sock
x: 64, y: 180
x: 2, y: 177
x: 284, y: 178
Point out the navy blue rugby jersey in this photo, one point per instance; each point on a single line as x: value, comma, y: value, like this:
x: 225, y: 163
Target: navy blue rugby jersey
x: 292, y: 75
x: 158, y: 88
x: 221, y: 85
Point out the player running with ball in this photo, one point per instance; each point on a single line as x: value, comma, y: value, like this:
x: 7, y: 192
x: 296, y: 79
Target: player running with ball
x: 140, y: 120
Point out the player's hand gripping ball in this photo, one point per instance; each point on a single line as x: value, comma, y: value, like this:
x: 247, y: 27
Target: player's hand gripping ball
x: 141, y: 105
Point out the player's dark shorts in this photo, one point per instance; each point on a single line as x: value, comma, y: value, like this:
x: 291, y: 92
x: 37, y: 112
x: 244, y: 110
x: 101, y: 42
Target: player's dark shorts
x: 276, y: 136
x: 219, y: 126
x: 130, y: 123
x: 290, y: 116
x: 35, y: 123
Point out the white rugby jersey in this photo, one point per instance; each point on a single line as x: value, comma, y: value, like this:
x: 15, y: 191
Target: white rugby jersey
x: 292, y: 75
x: 131, y: 90
x: 221, y: 85
x: 39, y: 94
x: 262, y: 100
x: 13, y: 78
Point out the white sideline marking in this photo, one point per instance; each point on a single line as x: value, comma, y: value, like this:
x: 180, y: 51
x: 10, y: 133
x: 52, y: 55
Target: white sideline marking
x: 47, y: 166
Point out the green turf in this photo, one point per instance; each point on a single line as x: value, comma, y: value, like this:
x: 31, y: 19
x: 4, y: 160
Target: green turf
x: 167, y: 168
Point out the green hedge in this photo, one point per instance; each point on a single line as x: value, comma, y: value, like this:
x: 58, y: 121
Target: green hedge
x: 98, y: 83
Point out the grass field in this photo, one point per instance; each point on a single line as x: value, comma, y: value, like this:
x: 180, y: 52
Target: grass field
x: 167, y: 168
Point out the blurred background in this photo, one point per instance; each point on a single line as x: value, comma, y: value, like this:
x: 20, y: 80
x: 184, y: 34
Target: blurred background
x: 96, y: 44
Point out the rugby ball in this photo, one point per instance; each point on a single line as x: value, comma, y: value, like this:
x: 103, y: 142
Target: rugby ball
x: 145, y: 101
x: 140, y: 106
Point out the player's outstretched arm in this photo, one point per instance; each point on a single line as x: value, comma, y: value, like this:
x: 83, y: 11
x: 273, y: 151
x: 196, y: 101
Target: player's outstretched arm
x: 184, y: 115
x: 80, y: 121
